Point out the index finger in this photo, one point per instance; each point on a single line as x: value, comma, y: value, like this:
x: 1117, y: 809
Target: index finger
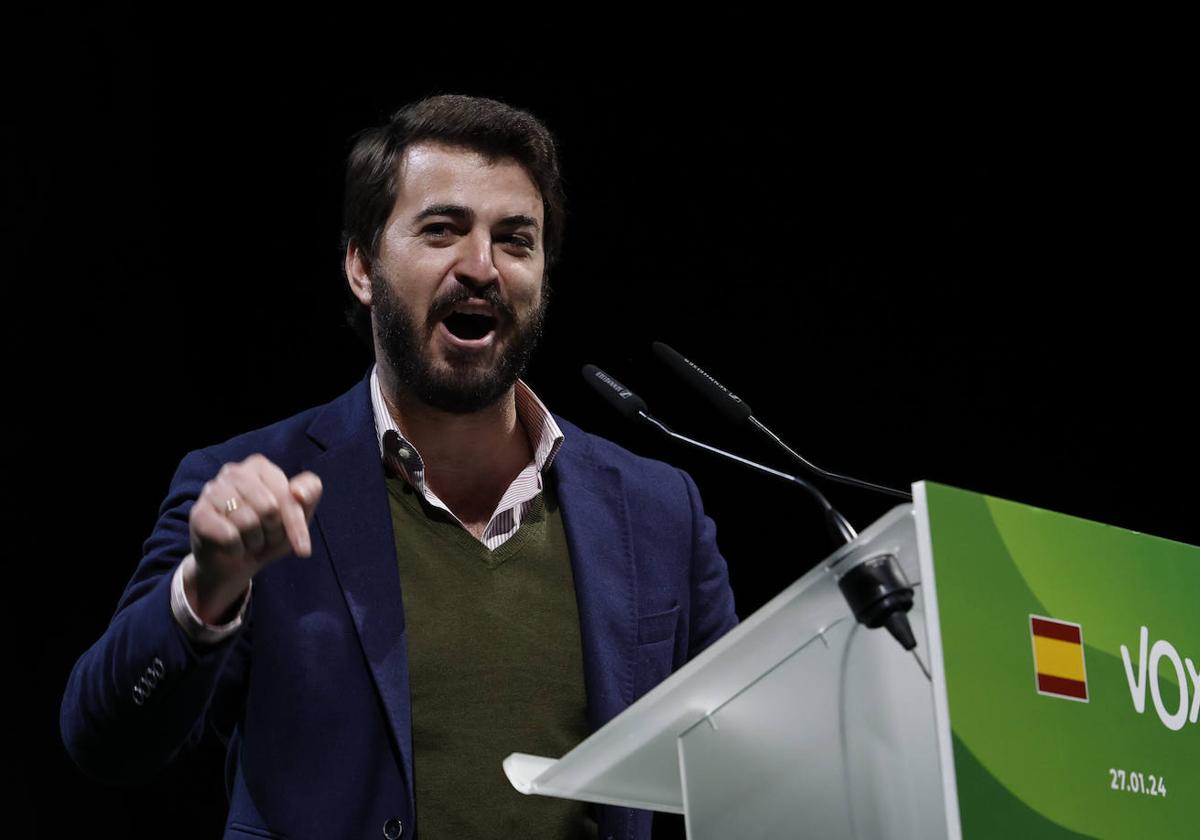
x: 306, y: 487
x: 295, y: 524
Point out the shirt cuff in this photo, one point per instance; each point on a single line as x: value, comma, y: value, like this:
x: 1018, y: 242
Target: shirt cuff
x: 186, y: 617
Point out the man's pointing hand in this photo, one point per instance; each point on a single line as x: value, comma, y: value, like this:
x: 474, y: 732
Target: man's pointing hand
x: 249, y: 515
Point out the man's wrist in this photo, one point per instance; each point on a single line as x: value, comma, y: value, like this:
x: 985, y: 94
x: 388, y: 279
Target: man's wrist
x: 191, y: 612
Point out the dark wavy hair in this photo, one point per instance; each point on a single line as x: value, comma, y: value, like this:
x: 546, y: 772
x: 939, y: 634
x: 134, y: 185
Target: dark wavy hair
x: 491, y: 128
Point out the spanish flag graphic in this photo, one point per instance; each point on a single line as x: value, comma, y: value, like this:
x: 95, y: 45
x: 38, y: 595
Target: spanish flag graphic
x: 1058, y: 658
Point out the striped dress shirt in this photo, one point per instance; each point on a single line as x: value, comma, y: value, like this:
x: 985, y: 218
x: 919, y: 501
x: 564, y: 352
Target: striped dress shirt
x: 545, y: 437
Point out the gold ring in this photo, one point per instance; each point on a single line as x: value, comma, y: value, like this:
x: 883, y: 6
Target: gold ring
x: 231, y: 504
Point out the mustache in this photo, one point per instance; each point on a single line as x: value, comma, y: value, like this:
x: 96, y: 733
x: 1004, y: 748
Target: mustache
x: 443, y: 305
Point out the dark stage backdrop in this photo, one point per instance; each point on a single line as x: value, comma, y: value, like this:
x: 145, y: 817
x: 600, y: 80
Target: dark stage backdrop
x: 967, y: 269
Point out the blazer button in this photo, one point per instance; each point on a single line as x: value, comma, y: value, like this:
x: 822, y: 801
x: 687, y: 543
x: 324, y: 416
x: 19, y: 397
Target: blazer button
x: 393, y: 828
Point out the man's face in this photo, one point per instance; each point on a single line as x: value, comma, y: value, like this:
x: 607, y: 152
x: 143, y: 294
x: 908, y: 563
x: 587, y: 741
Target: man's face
x: 456, y: 291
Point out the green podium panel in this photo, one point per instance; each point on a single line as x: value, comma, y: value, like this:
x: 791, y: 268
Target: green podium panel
x: 1065, y: 657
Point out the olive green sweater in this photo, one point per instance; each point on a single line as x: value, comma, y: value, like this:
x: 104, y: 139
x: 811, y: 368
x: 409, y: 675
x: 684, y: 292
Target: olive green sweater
x: 495, y: 666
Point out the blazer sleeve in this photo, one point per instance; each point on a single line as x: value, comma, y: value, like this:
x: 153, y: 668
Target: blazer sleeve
x: 712, y: 607
x: 144, y: 690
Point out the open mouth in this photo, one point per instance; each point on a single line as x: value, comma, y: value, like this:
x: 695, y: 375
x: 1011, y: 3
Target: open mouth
x: 468, y: 326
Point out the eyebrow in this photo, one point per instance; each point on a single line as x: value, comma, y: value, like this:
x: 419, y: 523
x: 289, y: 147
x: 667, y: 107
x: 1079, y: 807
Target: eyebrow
x: 519, y: 220
x: 454, y: 211
x: 465, y: 214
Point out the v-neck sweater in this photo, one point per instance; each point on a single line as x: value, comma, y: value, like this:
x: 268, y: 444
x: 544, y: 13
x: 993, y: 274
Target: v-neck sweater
x: 495, y: 666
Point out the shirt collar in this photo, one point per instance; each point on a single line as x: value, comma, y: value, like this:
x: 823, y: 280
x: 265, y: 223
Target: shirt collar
x: 545, y: 437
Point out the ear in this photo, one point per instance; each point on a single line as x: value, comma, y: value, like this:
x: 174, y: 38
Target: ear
x: 358, y: 273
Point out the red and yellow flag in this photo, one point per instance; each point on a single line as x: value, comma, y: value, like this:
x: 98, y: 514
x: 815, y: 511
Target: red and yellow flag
x: 1058, y: 658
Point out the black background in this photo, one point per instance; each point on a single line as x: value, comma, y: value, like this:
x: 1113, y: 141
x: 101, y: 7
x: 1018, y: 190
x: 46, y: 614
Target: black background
x: 960, y: 259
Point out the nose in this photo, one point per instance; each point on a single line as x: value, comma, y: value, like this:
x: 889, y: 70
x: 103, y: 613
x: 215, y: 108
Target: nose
x: 476, y: 267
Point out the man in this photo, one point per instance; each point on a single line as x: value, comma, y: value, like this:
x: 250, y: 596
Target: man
x: 479, y: 576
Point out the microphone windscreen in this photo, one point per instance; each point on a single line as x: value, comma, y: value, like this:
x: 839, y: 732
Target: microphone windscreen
x: 614, y: 393
x: 727, y: 402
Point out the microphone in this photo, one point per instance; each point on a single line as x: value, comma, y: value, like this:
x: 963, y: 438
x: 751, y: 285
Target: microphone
x: 633, y: 407
x: 876, y: 590
x: 724, y: 400
x: 628, y: 404
x: 737, y: 410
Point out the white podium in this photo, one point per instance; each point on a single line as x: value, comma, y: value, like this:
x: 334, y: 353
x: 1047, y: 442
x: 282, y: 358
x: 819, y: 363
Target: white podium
x: 798, y: 723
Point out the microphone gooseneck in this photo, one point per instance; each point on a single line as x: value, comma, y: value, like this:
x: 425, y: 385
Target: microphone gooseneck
x: 633, y: 407
x: 876, y: 590
x: 737, y: 410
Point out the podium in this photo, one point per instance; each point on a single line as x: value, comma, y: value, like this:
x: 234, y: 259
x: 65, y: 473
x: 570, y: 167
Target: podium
x: 801, y: 722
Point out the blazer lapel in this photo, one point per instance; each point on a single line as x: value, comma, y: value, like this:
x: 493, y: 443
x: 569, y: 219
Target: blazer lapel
x: 596, y: 521
x: 355, y: 522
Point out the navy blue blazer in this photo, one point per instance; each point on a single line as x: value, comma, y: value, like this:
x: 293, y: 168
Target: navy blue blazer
x: 312, y: 693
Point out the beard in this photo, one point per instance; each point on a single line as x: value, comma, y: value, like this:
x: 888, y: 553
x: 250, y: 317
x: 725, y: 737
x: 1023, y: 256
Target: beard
x: 469, y: 385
